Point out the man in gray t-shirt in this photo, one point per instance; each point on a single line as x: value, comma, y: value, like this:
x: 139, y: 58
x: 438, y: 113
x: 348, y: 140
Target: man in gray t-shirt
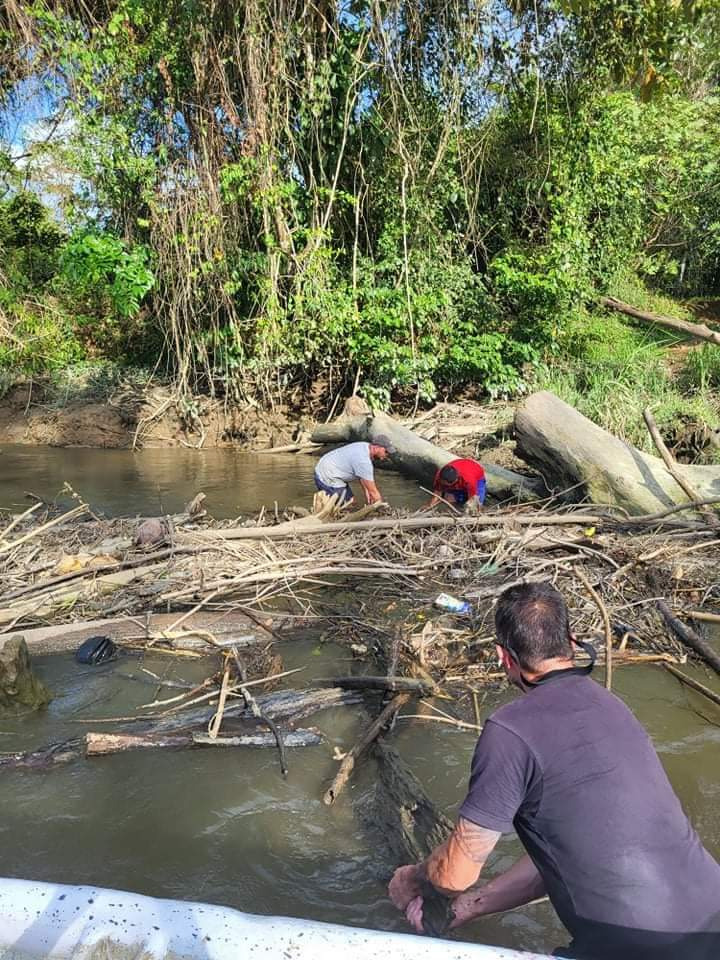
x: 338, y: 469
x: 570, y: 770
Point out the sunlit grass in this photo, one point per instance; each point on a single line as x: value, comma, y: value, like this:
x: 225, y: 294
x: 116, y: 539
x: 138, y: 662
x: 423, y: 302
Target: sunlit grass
x: 613, y: 371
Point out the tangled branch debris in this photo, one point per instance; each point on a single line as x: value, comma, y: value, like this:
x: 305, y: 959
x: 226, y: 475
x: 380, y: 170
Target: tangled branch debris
x: 368, y: 585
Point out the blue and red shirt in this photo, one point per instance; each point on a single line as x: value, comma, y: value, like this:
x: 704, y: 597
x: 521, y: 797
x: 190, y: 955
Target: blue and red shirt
x: 470, y: 482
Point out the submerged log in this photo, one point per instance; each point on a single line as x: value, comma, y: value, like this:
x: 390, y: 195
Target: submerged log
x: 54, y: 755
x: 572, y: 451
x: 20, y: 689
x: 101, y: 744
x: 395, y: 684
x: 420, y: 459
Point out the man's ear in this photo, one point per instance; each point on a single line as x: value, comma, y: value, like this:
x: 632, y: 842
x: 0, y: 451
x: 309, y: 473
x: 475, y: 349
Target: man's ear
x: 502, y: 655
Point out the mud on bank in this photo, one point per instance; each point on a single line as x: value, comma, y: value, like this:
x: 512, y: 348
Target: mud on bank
x: 31, y: 414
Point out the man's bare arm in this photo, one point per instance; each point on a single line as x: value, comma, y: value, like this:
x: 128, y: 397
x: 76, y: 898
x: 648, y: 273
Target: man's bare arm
x: 451, y: 868
x: 456, y: 864
x: 519, y: 885
x: 372, y: 494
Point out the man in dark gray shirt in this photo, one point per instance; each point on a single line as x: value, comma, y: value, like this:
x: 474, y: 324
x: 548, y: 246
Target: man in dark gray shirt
x: 573, y: 773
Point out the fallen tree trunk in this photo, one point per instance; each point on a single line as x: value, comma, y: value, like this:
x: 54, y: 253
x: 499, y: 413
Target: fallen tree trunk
x: 697, y: 330
x: 420, y: 459
x: 572, y: 451
x: 102, y: 744
x: 54, y: 755
x: 285, y: 706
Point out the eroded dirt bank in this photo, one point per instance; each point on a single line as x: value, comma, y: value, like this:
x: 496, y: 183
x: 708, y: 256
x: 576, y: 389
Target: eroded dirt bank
x: 154, y: 419
x: 151, y: 419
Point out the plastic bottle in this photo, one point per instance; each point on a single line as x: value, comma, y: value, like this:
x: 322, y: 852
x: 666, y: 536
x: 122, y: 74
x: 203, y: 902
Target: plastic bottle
x: 452, y: 604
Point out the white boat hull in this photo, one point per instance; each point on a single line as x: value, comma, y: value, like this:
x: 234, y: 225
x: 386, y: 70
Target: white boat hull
x: 54, y: 921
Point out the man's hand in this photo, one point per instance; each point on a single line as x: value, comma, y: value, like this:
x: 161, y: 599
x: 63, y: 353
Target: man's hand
x: 405, y: 886
x: 473, y: 507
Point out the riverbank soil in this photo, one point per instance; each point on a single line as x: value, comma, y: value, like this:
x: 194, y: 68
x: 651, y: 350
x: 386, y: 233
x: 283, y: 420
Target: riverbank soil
x: 30, y: 414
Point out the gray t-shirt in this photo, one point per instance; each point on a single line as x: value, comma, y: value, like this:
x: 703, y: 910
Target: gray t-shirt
x: 342, y: 466
x: 570, y: 769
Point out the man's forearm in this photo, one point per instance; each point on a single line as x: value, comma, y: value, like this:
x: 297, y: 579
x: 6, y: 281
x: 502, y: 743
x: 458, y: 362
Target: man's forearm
x: 372, y: 494
x: 456, y: 864
x: 452, y: 867
x: 519, y: 885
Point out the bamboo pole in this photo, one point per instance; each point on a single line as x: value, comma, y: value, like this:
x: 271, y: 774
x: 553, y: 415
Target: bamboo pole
x: 307, y: 529
x: 703, y: 616
x: 20, y: 518
x: 70, y: 515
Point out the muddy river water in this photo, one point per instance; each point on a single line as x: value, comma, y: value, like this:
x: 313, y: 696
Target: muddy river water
x: 224, y: 826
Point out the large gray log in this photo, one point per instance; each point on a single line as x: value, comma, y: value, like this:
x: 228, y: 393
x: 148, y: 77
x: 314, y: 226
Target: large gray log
x: 571, y: 450
x: 420, y: 459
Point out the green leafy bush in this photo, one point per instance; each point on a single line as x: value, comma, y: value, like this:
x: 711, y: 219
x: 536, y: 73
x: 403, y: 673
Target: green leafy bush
x: 101, y: 266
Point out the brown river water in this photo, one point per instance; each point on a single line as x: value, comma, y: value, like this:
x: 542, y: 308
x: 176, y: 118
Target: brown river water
x: 224, y: 826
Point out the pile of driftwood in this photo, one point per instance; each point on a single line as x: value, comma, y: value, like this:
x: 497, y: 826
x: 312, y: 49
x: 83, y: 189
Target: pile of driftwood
x: 641, y: 588
x: 623, y: 576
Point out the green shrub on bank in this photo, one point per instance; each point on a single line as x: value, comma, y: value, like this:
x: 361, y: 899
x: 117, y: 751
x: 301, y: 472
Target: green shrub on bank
x: 411, y: 204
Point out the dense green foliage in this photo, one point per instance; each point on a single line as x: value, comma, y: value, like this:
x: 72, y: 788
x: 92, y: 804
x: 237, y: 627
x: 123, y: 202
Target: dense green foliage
x: 409, y: 198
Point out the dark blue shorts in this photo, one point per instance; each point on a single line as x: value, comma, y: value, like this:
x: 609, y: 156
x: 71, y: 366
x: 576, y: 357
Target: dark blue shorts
x: 344, y: 493
x: 460, y: 496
